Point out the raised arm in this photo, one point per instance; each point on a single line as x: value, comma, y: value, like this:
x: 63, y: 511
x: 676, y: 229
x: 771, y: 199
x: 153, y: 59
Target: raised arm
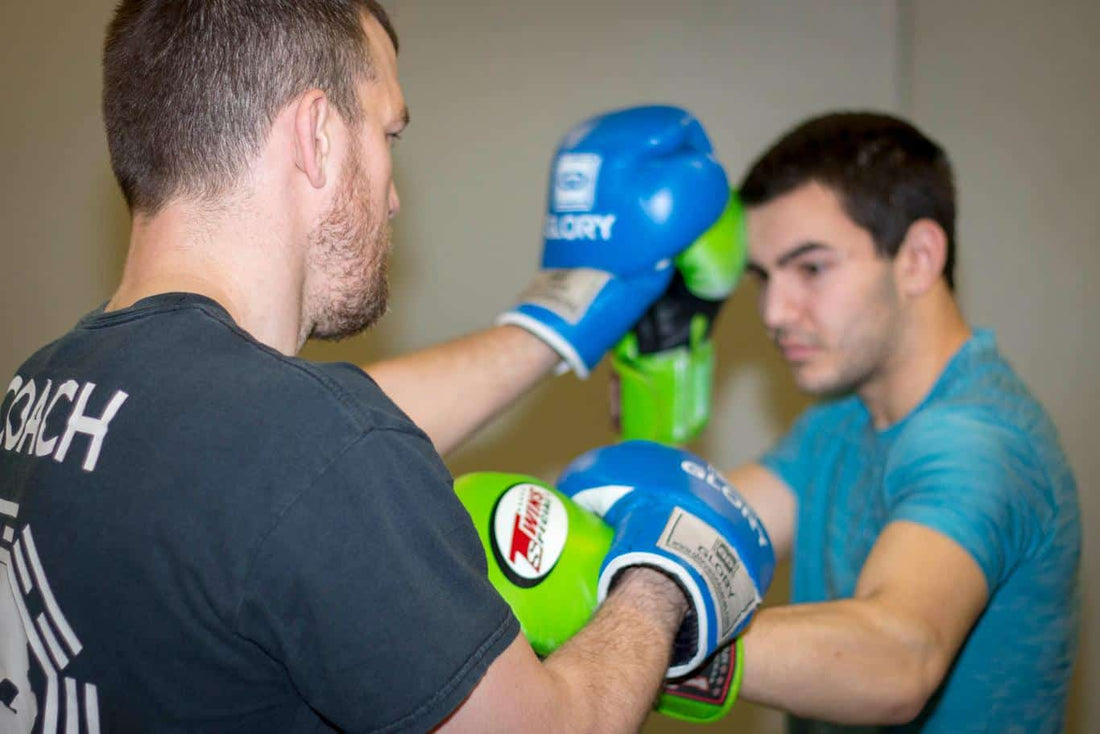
x: 630, y: 191
x: 452, y: 389
x: 875, y: 658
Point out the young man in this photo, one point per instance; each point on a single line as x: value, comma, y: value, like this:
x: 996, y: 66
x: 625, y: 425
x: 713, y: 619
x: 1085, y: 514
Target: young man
x: 202, y: 532
x: 931, y: 514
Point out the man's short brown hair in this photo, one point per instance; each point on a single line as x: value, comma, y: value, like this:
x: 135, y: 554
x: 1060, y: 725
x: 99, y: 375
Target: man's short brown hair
x: 191, y: 87
x: 886, y: 172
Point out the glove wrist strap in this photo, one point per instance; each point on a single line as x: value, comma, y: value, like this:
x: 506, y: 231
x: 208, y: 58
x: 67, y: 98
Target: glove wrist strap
x: 708, y: 693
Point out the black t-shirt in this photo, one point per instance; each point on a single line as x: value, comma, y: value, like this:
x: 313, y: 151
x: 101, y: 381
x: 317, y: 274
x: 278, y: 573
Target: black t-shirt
x: 201, y: 534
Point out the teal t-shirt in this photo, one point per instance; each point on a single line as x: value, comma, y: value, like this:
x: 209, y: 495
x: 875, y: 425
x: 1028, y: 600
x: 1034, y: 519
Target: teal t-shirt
x: 979, y: 461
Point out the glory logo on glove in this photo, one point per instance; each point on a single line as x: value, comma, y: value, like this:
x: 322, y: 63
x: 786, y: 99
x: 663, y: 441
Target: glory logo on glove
x: 575, y: 179
x: 571, y: 227
x: 717, y: 481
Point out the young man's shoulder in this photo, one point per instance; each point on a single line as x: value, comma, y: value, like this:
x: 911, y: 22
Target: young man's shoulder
x: 982, y: 420
x: 981, y: 389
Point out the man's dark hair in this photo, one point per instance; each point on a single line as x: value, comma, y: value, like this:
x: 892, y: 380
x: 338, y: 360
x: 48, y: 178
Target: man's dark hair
x: 192, y: 87
x: 885, y: 171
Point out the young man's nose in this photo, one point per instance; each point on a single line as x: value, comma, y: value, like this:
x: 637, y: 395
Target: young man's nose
x: 778, y: 305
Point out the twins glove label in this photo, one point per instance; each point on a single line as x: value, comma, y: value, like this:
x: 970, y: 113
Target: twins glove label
x: 529, y: 527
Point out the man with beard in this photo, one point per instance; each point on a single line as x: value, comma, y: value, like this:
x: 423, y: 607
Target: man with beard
x: 203, y: 532
x: 930, y: 511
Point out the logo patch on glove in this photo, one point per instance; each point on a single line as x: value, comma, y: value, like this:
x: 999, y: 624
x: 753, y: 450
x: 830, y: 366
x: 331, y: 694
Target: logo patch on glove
x: 728, y: 581
x: 570, y: 227
x: 575, y: 182
x: 567, y: 293
x: 528, y: 526
x: 716, y: 481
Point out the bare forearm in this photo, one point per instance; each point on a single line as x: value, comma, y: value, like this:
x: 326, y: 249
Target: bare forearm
x: 845, y: 661
x: 610, y: 673
x: 452, y: 389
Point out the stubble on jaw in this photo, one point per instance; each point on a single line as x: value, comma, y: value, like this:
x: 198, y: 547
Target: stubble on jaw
x: 863, y: 353
x: 348, y: 258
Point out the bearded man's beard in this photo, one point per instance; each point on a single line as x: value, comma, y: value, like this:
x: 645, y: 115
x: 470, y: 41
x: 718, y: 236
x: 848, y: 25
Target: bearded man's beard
x: 349, y: 261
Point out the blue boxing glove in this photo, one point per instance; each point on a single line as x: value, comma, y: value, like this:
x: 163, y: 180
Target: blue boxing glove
x: 671, y: 510
x: 629, y: 190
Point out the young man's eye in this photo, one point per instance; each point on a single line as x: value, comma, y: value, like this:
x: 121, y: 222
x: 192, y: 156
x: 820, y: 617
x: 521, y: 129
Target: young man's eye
x: 811, y: 269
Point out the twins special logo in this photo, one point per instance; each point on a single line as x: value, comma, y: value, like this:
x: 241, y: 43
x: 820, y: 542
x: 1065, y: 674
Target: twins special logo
x: 575, y: 182
x: 528, y: 526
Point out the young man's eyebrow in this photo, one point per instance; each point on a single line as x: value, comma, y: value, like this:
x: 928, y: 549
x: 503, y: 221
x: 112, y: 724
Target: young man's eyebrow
x: 759, y: 270
x: 799, y: 251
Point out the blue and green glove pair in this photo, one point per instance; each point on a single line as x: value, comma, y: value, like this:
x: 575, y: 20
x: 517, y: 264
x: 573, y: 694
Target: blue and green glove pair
x: 629, y: 190
x: 664, y: 367
x: 642, y: 238
x: 553, y: 558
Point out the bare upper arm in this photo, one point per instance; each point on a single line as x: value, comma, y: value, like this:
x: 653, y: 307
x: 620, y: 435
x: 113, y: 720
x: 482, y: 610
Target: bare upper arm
x: 930, y: 587
x: 773, y: 501
x: 515, y: 691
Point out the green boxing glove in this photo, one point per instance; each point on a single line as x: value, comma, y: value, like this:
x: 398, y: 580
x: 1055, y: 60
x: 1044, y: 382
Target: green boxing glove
x: 664, y: 368
x: 544, y: 554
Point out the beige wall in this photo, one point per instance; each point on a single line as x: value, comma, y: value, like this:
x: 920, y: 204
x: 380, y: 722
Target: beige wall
x: 492, y: 84
x: 63, y: 222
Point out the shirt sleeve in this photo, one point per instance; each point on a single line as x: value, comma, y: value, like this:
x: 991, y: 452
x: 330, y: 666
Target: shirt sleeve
x: 973, y: 479
x: 372, y: 589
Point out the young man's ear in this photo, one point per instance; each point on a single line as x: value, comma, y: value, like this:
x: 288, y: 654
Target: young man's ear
x: 312, y: 136
x: 921, y: 257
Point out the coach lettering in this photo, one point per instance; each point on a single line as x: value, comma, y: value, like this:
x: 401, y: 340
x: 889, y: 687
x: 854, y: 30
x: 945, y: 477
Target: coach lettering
x: 44, y: 446
x: 94, y: 427
x: 23, y: 429
x: 34, y: 422
x: 9, y: 434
